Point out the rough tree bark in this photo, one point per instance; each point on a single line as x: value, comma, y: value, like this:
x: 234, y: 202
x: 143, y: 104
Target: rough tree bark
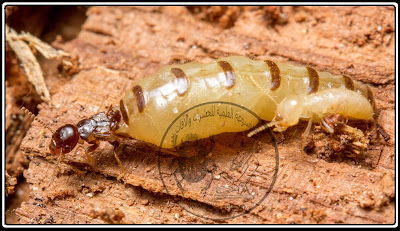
x: 117, y: 46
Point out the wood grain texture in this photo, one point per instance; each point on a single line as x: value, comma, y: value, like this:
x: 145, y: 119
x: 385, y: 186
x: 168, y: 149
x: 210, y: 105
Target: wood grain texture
x: 117, y: 46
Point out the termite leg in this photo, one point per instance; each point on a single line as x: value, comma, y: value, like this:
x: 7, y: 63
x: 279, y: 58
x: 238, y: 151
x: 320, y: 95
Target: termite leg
x: 378, y: 129
x: 308, y: 129
x: 59, y: 159
x: 90, y: 149
x: 383, y: 133
x: 116, y: 150
x: 331, y: 122
x: 305, y: 135
x: 327, y: 127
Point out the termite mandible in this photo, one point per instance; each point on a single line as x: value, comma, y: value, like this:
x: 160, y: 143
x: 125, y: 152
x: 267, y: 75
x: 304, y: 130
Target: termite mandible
x: 281, y: 93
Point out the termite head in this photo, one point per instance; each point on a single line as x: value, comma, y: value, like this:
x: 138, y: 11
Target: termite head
x: 288, y: 113
x: 64, y: 139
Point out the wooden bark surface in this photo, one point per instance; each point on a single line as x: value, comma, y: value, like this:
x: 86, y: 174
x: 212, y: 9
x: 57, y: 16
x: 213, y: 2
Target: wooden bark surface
x: 117, y: 46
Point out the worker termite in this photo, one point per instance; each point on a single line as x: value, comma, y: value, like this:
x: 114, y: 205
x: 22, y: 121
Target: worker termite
x: 278, y: 92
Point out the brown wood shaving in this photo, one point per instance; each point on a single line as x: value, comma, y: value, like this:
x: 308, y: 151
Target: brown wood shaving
x: 19, y: 44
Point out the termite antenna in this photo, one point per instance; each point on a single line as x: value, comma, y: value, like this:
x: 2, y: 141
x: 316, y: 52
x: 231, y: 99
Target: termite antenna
x: 35, y: 118
x: 262, y: 128
x: 109, y: 109
x: 61, y: 156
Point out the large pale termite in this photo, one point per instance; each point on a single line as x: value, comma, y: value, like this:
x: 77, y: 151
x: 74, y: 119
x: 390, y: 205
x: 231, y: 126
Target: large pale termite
x: 281, y: 93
